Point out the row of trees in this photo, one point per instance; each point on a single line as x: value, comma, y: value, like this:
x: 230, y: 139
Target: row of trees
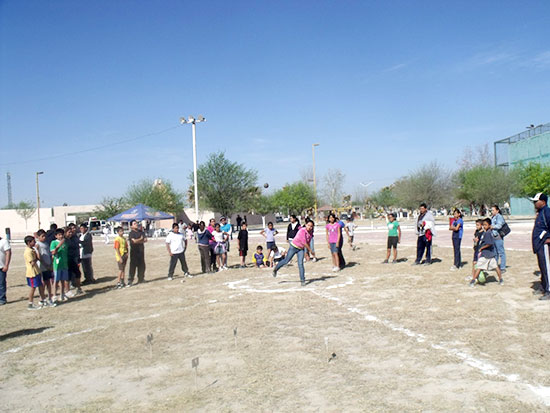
x: 475, y: 184
x: 224, y: 186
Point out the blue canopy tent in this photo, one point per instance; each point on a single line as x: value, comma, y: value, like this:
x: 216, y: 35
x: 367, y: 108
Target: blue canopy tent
x: 140, y: 213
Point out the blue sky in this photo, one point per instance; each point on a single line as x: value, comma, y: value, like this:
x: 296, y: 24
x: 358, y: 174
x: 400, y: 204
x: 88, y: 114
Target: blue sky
x: 383, y: 86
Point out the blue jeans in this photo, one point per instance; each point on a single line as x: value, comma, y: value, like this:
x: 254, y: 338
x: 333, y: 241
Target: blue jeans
x: 291, y: 251
x: 3, y: 287
x: 501, y: 254
x: 456, y: 247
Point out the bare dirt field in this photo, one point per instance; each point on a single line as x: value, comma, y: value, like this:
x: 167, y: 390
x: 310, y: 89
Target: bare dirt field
x: 373, y: 337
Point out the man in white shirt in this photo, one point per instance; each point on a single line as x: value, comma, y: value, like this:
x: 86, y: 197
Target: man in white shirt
x: 176, y: 244
x: 5, y: 257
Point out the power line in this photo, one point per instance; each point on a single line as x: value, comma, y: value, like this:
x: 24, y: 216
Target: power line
x: 95, y: 148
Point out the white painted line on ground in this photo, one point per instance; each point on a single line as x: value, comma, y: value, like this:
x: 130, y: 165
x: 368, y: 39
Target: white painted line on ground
x: 485, y: 367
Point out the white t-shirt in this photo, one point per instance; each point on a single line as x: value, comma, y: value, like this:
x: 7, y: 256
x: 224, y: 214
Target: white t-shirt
x: 278, y: 254
x: 4, y: 247
x: 45, y: 262
x: 177, y: 242
x: 351, y: 227
x: 219, y: 236
x: 269, y: 235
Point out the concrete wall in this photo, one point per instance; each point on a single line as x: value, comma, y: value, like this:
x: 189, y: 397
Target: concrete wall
x: 533, y: 149
x: 9, y: 218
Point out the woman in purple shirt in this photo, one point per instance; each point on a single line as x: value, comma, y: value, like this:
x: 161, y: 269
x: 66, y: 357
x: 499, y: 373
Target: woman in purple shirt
x: 297, y: 246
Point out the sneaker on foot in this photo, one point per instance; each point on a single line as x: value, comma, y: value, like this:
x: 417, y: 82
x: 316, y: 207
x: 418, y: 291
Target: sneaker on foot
x: 501, y: 282
x: 416, y: 263
x: 472, y: 283
x: 69, y: 294
x: 78, y: 291
x: 274, y: 273
x: 50, y: 303
x: 502, y: 270
x: 394, y: 262
x: 453, y: 268
x: 538, y: 292
x: 314, y: 259
x: 303, y: 283
x: 170, y: 278
x: 64, y: 297
x: 545, y: 297
x: 385, y: 262
x: 31, y: 306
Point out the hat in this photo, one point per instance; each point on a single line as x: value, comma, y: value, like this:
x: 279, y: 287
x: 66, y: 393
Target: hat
x: 540, y: 197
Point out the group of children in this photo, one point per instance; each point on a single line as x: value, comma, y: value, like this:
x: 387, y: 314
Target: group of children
x: 52, y: 266
x: 51, y: 261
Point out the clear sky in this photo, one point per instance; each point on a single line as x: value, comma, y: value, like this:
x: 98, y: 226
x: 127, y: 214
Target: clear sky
x: 383, y: 86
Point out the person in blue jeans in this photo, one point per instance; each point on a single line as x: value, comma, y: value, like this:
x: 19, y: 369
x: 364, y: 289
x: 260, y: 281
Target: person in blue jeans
x: 5, y: 257
x: 497, y: 221
x: 297, y: 246
x: 457, y: 226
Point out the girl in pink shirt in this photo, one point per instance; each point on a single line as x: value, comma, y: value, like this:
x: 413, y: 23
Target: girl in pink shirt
x: 333, y: 240
x: 297, y: 246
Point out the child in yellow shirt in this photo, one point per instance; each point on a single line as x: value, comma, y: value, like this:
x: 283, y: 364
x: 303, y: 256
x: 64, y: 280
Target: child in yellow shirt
x: 34, y: 277
x: 121, y: 254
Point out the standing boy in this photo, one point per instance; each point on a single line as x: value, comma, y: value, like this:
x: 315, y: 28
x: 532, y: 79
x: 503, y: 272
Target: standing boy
x: 137, y: 253
x: 5, y: 257
x: 86, y: 250
x: 121, y: 254
x: 269, y: 234
x: 394, y: 237
x: 45, y: 263
x: 350, y: 230
x: 73, y: 249
x: 176, y: 244
x: 58, y: 248
x: 34, y: 279
x: 486, y: 260
x: 243, y: 243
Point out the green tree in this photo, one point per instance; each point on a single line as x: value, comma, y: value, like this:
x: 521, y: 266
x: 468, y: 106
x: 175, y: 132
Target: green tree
x: 224, y: 186
x: 294, y: 198
x: 25, y: 209
x: 384, y: 198
x: 484, y: 185
x: 109, y: 207
x: 531, y: 179
x: 263, y: 205
x: 431, y: 184
x: 157, y: 194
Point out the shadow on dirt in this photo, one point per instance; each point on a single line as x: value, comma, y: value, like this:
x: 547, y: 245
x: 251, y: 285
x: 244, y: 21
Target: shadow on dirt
x: 23, y: 332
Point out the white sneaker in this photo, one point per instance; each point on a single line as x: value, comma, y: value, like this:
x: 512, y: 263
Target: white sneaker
x: 225, y: 267
x: 69, y: 294
x: 335, y: 269
x: 453, y: 268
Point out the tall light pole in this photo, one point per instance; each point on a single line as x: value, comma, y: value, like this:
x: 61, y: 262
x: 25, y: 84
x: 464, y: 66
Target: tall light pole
x: 193, y: 122
x: 314, y: 181
x: 38, y: 198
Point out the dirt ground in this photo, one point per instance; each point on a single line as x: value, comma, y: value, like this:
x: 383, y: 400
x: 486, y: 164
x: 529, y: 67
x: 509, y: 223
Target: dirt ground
x: 373, y: 337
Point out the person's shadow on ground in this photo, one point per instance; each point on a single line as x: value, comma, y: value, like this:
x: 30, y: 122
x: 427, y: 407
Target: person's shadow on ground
x: 23, y: 332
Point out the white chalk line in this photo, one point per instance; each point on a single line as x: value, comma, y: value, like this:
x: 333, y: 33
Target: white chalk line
x: 485, y: 367
x: 240, y: 285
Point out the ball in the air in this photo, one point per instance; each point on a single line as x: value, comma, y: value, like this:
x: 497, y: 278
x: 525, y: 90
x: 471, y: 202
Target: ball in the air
x: 266, y: 185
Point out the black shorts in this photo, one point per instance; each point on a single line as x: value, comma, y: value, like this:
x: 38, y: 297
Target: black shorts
x: 392, y: 242
x: 74, y: 271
